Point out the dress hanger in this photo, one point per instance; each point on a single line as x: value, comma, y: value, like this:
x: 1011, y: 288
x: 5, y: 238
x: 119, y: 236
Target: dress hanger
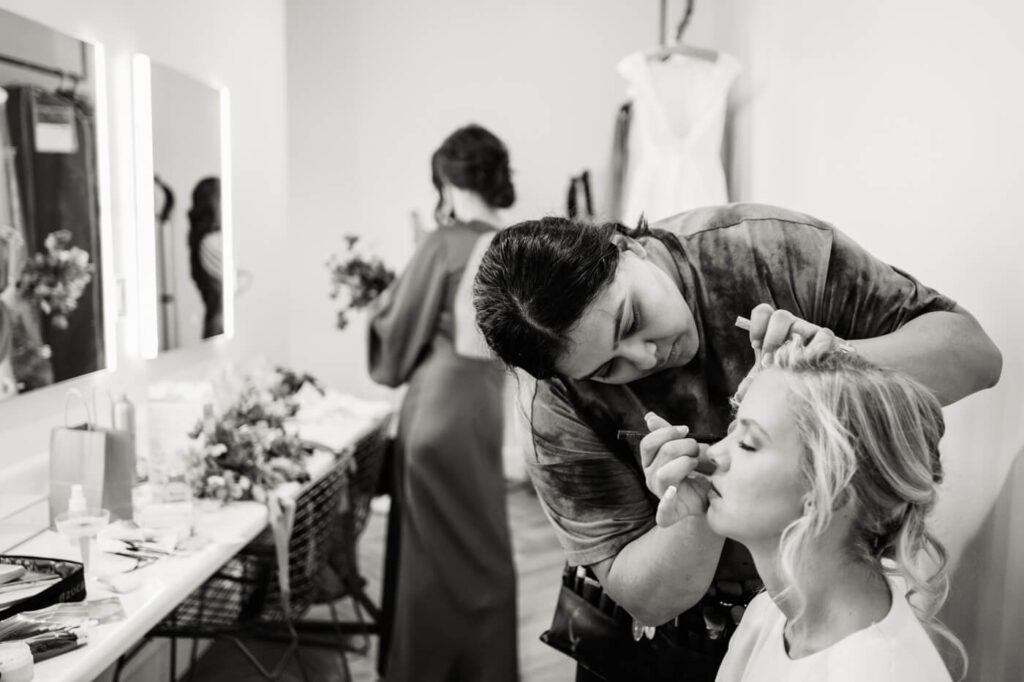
x: 163, y: 212
x: 666, y: 49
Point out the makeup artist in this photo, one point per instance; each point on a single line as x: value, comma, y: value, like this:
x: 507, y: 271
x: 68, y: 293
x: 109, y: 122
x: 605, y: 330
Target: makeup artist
x: 615, y: 323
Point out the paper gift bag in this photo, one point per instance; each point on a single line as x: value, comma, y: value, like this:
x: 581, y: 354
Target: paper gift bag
x: 98, y: 458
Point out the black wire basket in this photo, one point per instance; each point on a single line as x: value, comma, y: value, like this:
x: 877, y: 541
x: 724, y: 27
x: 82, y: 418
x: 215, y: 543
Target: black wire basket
x: 341, y: 573
x: 329, y: 516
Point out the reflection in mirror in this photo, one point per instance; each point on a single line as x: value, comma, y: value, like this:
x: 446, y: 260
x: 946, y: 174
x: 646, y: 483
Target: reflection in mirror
x: 51, y: 293
x: 187, y: 238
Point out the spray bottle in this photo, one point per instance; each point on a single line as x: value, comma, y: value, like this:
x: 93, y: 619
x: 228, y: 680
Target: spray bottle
x: 124, y: 420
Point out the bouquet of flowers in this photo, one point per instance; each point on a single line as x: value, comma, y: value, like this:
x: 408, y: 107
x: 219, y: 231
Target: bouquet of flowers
x: 357, y: 278
x: 56, y: 279
x: 247, y: 449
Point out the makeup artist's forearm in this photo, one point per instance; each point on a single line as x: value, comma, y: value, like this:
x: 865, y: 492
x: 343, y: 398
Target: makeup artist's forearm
x: 948, y: 352
x: 663, y: 572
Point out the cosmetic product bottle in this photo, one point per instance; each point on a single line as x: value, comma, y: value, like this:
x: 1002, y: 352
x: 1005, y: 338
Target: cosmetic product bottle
x: 77, y: 506
x: 124, y: 420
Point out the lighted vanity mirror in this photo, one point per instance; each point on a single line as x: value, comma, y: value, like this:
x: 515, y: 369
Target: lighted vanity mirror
x: 52, y: 228
x: 184, y: 250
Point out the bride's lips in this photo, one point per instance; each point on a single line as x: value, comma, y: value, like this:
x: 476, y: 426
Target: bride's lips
x: 673, y: 350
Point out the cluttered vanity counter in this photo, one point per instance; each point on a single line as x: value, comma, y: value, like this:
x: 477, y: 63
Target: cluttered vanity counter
x: 331, y: 426
x: 161, y: 586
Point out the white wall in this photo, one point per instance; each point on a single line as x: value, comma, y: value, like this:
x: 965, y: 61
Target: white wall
x: 374, y: 88
x: 203, y: 39
x: 900, y: 123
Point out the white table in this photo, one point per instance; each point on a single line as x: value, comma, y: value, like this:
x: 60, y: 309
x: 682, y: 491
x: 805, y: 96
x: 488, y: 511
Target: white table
x: 168, y: 582
x: 164, y: 584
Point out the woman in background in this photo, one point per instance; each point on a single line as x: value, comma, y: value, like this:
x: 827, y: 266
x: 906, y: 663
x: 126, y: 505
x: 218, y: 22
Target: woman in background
x: 827, y: 476
x: 205, y: 248
x: 455, y: 615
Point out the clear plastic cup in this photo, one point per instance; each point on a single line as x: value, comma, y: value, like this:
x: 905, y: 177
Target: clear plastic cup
x: 83, y: 527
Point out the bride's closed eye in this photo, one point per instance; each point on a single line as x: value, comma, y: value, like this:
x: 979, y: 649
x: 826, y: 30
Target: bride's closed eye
x: 634, y: 324
x: 744, y: 443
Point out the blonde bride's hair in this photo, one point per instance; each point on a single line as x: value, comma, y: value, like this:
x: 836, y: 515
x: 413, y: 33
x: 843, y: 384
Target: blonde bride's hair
x: 871, y: 438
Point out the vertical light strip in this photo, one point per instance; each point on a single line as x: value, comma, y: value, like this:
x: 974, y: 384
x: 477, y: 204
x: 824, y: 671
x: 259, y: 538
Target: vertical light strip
x: 111, y: 289
x: 227, y: 214
x: 145, y: 222
x: 124, y: 168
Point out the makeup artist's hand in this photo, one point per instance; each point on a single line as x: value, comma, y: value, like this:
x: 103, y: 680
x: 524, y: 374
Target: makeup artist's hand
x: 770, y: 328
x: 669, y: 458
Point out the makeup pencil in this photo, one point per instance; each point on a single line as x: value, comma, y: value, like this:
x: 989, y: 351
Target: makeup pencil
x: 635, y: 436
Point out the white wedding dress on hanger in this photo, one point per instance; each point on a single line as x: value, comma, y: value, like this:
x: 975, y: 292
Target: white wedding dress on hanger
x: 675, y: 135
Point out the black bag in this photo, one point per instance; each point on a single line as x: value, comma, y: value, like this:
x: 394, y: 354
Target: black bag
x: 70, y: 585
x: 598, y: 634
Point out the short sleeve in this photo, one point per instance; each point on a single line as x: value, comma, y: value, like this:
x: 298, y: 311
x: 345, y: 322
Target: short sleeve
x: 597, y: 503
x: 403, y: 325
x: 864, y: 297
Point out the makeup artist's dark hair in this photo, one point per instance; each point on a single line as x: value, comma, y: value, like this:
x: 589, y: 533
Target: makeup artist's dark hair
x: 474, y: 158
x: 535, y: 281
